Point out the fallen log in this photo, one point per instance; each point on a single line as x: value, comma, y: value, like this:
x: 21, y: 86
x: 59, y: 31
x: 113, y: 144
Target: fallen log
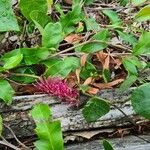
x: 17, y: 116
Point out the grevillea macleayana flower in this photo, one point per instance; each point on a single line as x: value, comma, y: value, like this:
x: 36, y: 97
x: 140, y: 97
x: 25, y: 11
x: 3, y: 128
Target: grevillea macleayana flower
x: 59, y: 88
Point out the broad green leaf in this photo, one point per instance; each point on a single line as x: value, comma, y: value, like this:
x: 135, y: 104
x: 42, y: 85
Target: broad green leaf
x: 69, y: 20
x: 143, y: 45
x: 41, y: 112
x: 130, y: 66
x: 1, y: 125
x: 62, y: 67
x: 91, y: 24
x: 52, y: 35
x: 34, y: 55
x: 40, y: 19
x: 107, y: 145
x: 27, y: 6
x: 48, y: 131
x: 102, y: 37
x: 42, y: 145
x: 8, y: 20
x: 94, y: 109
x: 128, y: 82
x: 13, y: 61
x: 113, y: 16
x: 128, y: 38
x: 140, y: 99
x: 31, y: 70
x: 6, y: 91
x: 143, y: 14
x: 138, y: 2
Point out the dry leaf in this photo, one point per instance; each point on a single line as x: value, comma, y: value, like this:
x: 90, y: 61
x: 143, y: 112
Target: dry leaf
x: 78, y: 75
x: 88, y: 81
x: 118, y: 63
x: 73, y: 38
x: 83, y: 59
x: 104, y: 58
x: 68, y: 2
x: 92, y: 90
x: 108, y: 85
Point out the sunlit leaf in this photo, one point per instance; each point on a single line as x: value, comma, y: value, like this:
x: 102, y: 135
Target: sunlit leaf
x: 95, y: 108
x: 140, y: 99
x: 8, y: 20
x: 6, y: 91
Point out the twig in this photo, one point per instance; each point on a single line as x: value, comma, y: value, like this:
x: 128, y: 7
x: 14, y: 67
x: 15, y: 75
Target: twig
x: 9, y: 145
x: 24, y: 146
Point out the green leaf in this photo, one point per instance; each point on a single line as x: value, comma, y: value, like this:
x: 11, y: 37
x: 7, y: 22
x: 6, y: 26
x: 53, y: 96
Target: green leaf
x: 138, y: 2
x: 143, y: 45
x: 106, y: 75
x: 107, y: 145
x: 41, y: 112
x: 102, y: 37
x: 34, y: 55
x: 113, y: 16
x: 94, y: 109
x: 40, y: 19
x: 13, y: 61
x: 25, y: 70
x: 1, y: 125
x: 60, y: 67
x: 140, y: 99
x: 6, y: 91
x: 52, y: 35
x: 130, y: 65
x: 8, y: 20
x: 128, y: 38
x: 87, y: 71
x: 124, y: 2
x: 91, y: 24
x: 27, y: 6
x: 48, y: 131
x: 128, y: 82
x: 69, y: 20
x: 143, y: 14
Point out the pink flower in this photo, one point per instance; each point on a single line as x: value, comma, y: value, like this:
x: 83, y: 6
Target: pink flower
x: 59, y: 88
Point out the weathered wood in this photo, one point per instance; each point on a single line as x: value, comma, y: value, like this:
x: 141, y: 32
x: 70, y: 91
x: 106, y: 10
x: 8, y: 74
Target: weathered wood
x: 18, y: 118
x: 125, y: 143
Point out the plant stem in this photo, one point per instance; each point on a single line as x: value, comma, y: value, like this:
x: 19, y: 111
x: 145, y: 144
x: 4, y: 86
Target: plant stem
x: 25, y: 75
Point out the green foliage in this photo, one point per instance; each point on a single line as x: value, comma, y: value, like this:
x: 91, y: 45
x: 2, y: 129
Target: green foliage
x: 91, y: 24
x: 128, y: 38
x: 59, y: 67
x: 113, y: 16
x: 138, y: 2
x: 128, y: 82
x: 140, y: 99
x: 6, y: 91
x: 95, y: 108
x: 8, y: 20
x: 143, y: 14
x: 48, y: 131
x: 88, y: 70
x: 27, y: 6
x: 13, y: 61
x: 143, y: 45
x: 69, y: 20
x: 100, y: 40
x: 52, y: 35
x: 40, y: 19
x: 107, y: 145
